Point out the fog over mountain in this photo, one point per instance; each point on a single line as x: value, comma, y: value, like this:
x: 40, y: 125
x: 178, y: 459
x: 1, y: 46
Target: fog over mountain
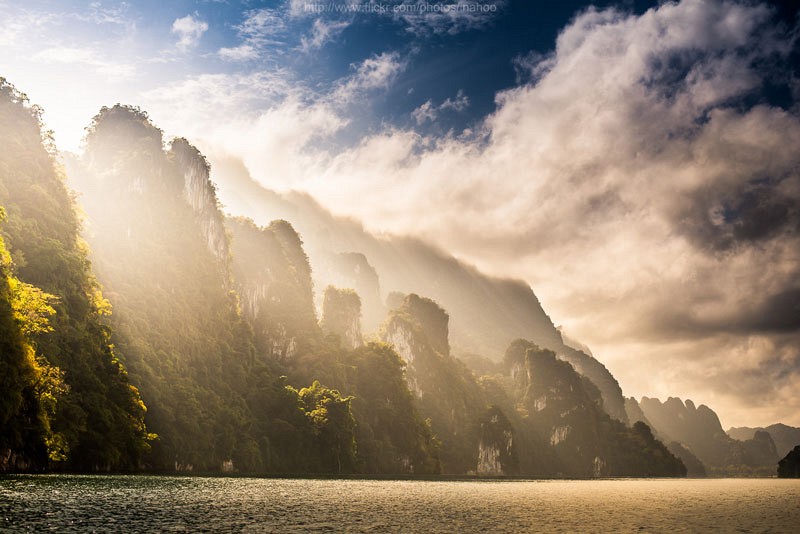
x: 635, y: 165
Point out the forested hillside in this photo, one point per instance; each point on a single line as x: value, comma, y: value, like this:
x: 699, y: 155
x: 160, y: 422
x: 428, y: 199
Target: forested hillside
x: 89, y: 416
x: 243, y: 363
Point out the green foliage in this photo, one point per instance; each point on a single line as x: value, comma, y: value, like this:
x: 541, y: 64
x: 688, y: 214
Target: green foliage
x: 392, y: 436
x: 99, y: 418
x: 447, y: 392
x: 332, y: 424
x: 31, y: 307
x: 176, y: 318
x: 273, y: 280
x: 566, y: 410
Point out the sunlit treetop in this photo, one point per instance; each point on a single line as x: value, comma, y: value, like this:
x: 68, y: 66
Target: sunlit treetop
x: 121, y: 126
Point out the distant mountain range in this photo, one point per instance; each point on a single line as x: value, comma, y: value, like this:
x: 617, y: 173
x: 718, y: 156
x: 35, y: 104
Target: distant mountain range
x: 486, y: 313
x: 785, y: 437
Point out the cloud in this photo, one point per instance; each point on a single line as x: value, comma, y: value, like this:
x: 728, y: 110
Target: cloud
x: 375, y: 72
x: 99, y: 14
x: 19, y: 25
x: 321, y: 33
x: 85, y: 57
x: 261, y: 28
x: 632, y: 177
x: 425, y: 113
x: 428, y: 112
x: 261, y: 24
x: 243, y: 52
x: 189, y: 30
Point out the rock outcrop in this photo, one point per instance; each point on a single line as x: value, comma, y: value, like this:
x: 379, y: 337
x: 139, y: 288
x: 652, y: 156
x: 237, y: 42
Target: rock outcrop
x: 566, y: 409
x: 273, y: 281
x: 446, y: 391
x: 486, y: 313
x: 352, y: 270
x: 784, y: 436
x: 201, y: 194
x: 341, y: 315
x: 698, y: 429
x: 497, y: 453
x: 789, y: 466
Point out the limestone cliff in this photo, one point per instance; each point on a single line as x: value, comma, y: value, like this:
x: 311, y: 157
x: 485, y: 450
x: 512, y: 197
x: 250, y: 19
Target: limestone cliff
x: 566, y: 409
x: 559, y: 407
x: 497, y: 451
x: 486, y: 313
x: 698, y: 428
x: 162, y: 255
x: 352, y: 270
x: 789, y: 466
x: 445, y: 390
x: 273, y: 281
x: 201, y: 194
x: 784, y: 436
x: 341, y: 315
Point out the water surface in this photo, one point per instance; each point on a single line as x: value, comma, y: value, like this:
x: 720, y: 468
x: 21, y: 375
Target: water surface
x: 62, y: 503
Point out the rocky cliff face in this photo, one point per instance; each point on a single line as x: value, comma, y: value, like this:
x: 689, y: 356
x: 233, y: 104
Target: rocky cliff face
x: 497, y: 452
x: 698, y: 428
x: 613, y: 400
x: 341, y: 315
x: 161, y: 252
x: 486, y: 313
x: 565, y: 408
x: 352, y: 270
x: 789, y: 466
x: 784, y: 436
x: 273, y: 280
x: 761, y: 449
x: 446, y: 391
x: 201, y: 194
x: 634, y: 411
x: 560, y: 407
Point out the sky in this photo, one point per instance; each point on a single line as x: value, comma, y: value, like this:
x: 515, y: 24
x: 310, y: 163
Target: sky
x: 636, y: 162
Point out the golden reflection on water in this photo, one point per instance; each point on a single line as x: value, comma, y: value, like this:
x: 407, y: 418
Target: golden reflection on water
x: 157, y: 504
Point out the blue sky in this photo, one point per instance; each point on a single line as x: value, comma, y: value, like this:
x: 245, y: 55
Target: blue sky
x: 452, y: 65
x: 635, y: 162
x: 127, y: 48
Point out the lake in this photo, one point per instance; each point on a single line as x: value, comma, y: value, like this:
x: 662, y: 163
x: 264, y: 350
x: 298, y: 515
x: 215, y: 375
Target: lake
x: 65, y: 503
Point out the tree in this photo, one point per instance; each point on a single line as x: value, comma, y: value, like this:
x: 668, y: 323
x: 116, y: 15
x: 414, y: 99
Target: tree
x: 333, y: 425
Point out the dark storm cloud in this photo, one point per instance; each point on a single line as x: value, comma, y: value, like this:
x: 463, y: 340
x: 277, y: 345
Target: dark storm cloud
x: 779, y: 312
x: 758, y: 210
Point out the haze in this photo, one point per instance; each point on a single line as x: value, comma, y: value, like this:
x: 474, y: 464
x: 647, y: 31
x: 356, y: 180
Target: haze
x: 636, y: 165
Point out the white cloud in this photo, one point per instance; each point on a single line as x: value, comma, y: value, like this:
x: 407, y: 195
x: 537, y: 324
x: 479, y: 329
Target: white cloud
x: 189, y: 30
x: 238, y: 53
x: 321, y: 32
x: 425, y: 113
x: 375, y: 72
x: 459, y: 103
x: 299, y: 8
x: 428, y: 112
x: 260, y: 29
x: 99, y: 14
x: 18, y: 25
x: 85, y: 57
x: 617, y: 180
